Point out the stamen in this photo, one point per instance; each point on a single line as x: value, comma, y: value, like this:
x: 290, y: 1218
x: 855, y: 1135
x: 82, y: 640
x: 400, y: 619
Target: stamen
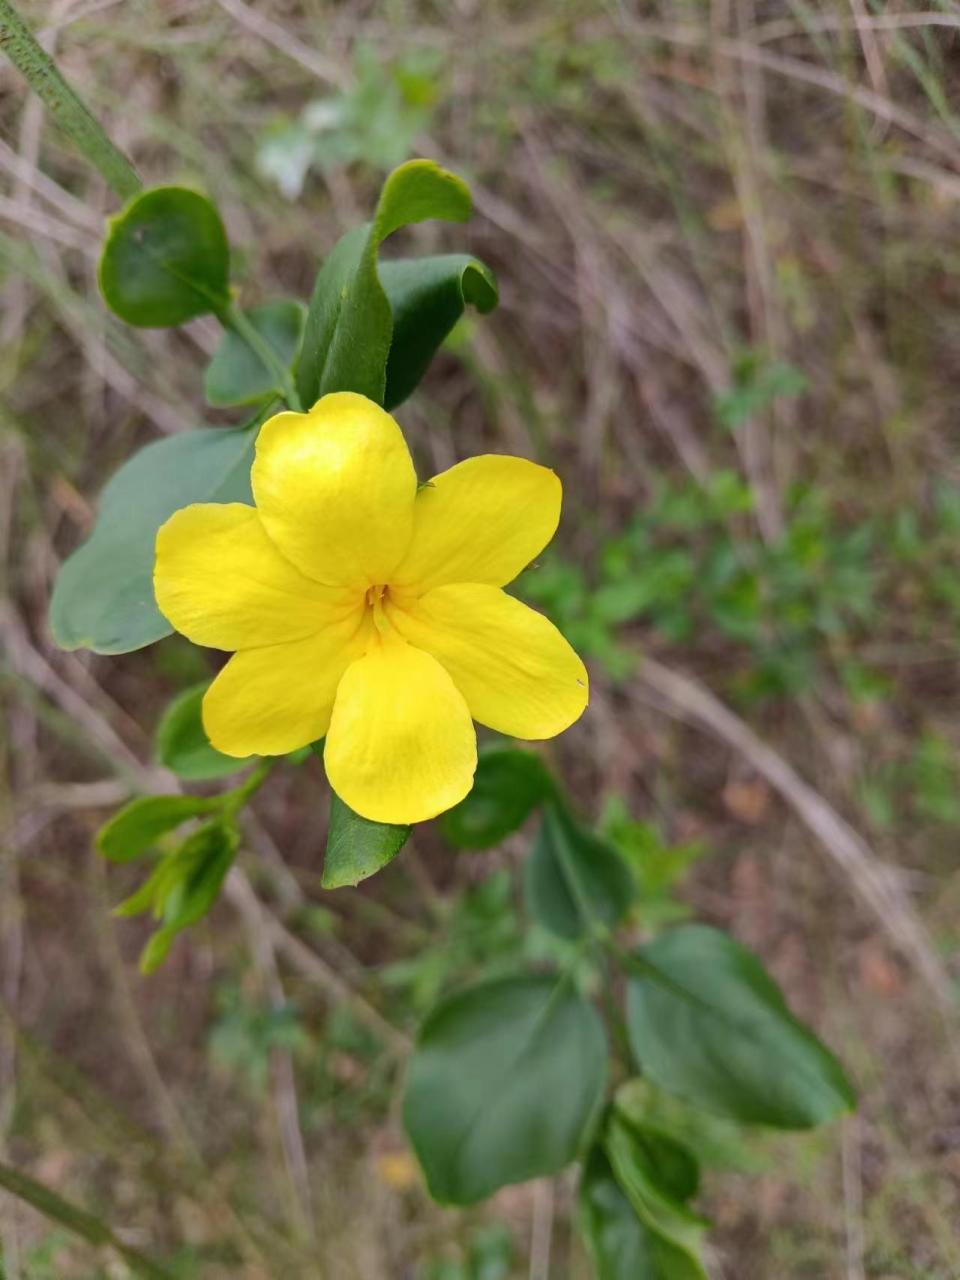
x: 375, y: 599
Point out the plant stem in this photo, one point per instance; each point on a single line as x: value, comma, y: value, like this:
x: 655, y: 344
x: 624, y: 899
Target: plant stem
x: 45, y: 79
x: 76, y: 1220
x: 89, y: 137
x: 233, y: 801
x: 231, y: 317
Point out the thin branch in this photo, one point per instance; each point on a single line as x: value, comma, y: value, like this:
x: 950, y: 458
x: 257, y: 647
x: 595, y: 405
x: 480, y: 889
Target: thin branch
x: 872, y: 880
x: 240, y: 892
x: 286, y: 1104
x: 31, y: 665
x: 853, y: 1198
x: 81, y: 1223
x: 325, y: 69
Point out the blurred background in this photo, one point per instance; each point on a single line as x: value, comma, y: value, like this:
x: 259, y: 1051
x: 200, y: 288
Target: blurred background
x: 726, y: 237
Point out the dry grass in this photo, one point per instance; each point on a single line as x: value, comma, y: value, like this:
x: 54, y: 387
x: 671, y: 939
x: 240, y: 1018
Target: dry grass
x: 659, y: 187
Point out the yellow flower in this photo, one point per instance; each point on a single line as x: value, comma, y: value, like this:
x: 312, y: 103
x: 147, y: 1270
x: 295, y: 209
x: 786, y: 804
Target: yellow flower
x: 369, y: 611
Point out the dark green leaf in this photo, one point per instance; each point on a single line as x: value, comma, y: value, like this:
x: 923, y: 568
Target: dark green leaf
x: 181, y: 743
x: 503, y: 1085
x: 621, y: 1246
x: 427, y: 297
x: 236, y: 374
x: 509, y: 784
x: 651, y: 1200
x: 165, y: 259
x: 357, y: 847
x: 103, y: 596
x: 347, y: 337
x: 137, y: 826
x: 669, y: 1163
x: 709, y: 1024
x: 574, y: 880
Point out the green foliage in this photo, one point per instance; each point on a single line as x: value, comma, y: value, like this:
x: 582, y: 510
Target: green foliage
x: 567, y: 73
x: 922, y: 787
x: 667, y: 1163
x: 509, y: 784
x: 374, y: 122
x: 481, y: 935
x: 503, y: 1085
x: 757, y: 382
x: 244, y: 1035
x: 136, y: 828
x: 103, y: 596
x: 684, y: 568
x: 349, y: 325
x: 237, y: 373
x: 708, y: 1023
x: 658, y: 867
x: 42, y: 1259
x: 183, y: 886
x: 346, y: 1075
x: 165, y: 259
x: 427, y: 297
x: 620, y: 1244
x: 181, y: 743
x: 718, y: 1143
x: 576, y: 883
x: 934, y: 778
x: 704, y: 1022
x: 649, y: 1183
x: 489, y: 1256
x: 357, y: 847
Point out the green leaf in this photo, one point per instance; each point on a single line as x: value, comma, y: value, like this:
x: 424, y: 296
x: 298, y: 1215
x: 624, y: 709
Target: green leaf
x: 165, y: 259
x: 357, y: 847
x: 668, y: 1162
x: 638, y: 1175
x: 103, y: 596
x: 620, y: 1245
x: 707, y: 1023
x: 503, y: 1085
x: 509, y: 784
x: 157, y: 948
x: 349, y: 325
x: 181, y: 743
x: 183, y: 886
x: 202, y: 864
x: 574, y: 880
x: 236, y: 374
x: 138, y: 825
x: 427, y: 297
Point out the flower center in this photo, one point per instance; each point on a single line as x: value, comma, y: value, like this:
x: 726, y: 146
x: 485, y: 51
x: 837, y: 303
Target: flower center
x: 375, y: 598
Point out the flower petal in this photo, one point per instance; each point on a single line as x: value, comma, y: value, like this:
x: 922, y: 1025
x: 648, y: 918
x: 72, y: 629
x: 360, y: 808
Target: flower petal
x: 269, y: 701
x: 516, y: 671
x: 221, y: 582
x: 482, y: 521
x: 335, y: 489
x: 401, y: 746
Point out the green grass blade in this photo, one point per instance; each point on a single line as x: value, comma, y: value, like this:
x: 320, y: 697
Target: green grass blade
x: 41, y: 72
x: 81, y: 1223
